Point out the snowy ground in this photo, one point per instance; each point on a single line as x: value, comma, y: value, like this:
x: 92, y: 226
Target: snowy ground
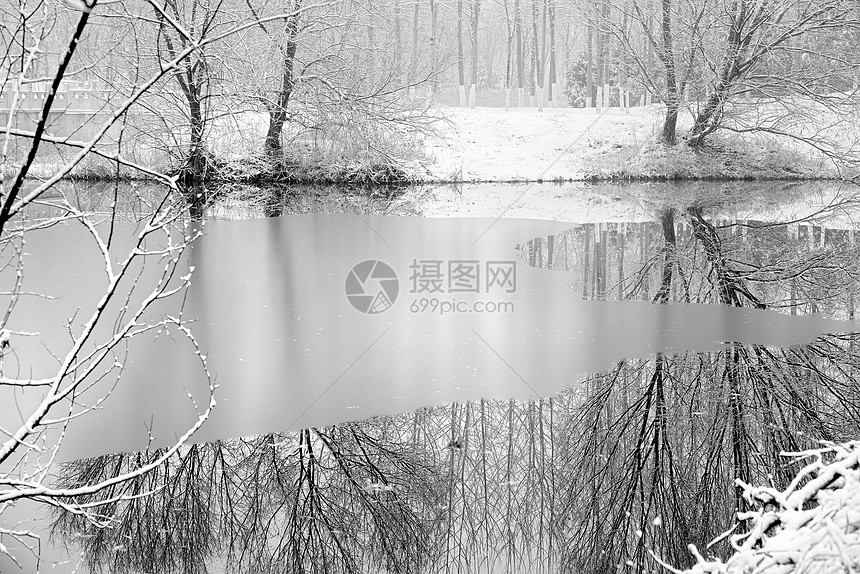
x: 494, y: 144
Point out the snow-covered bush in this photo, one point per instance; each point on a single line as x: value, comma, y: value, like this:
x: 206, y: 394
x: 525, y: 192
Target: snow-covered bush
x: 813, y: 526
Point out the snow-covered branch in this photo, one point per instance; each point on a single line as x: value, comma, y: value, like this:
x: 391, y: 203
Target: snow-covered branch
x: 811, y: 526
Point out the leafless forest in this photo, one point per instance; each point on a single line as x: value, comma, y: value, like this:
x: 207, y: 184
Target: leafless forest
x: 618, y: 474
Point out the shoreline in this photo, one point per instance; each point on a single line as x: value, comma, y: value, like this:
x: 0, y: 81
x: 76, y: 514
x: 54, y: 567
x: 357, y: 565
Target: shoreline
x: 324, y: 182
x: 515, y: 146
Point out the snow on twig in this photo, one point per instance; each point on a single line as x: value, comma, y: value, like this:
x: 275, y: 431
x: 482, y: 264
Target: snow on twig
x: 812, y: 526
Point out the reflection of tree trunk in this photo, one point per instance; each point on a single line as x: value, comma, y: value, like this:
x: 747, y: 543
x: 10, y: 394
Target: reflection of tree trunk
x: 586, y: 230
x: 510, y: 542
x: 730, y: 286
x: 737, y: 408
x: 462, y: 480
x: 484, y: 482
x: 667, y: 220
x: 273, y: 205
x: 619, y: 249
x: 454, y: 440
x: 733, y: 292
x: 550, y: 251
x: 599, y: 279
x: 195, y: 198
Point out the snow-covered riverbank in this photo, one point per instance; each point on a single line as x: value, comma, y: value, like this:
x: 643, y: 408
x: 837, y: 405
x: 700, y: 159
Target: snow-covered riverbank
x: 468, y: 145
x: 493, y: 144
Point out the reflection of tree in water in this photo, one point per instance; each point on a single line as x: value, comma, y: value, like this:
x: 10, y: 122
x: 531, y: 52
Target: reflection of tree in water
x: 338, y: 499
x: 133, y: 200
x: 640, y: 458
x: 244, y: 201
x: 660, y: 442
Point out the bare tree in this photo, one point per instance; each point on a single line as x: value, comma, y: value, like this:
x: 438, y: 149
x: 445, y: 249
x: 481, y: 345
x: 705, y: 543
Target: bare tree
x: 475, y: 6
x: 649, y: 451
x: 787, y: 68
x: 286, y: 43
x: 799, y: 63
x: 40, y: 43
x: 461, y: 76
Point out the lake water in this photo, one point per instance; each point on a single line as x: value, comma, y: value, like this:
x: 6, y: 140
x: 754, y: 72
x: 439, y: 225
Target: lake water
x: 313, y: 319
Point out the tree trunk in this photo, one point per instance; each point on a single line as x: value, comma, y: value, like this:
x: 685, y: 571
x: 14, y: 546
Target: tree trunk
x: 544, y: 78
x: 476, y: 10
x: 605, y: 56
x: 518, y: 25
x: 197, y: 153
x: 434, y: 41
x: 508, y: 56
x: 599, y: 37
x: 670, y: 122
x: 278, y: 112
x: 554, y: 93
x: 710, y: 114
x: 397, y: 39
x: 371, y: 51
x: 537, y: 76
x: 623, y: 88
x: 192, y: 79
x: 413, y: 60
x: 461, y: 76
x: 589, y: 67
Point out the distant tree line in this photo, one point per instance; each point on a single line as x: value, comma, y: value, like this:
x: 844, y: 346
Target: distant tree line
x: 352, y: 79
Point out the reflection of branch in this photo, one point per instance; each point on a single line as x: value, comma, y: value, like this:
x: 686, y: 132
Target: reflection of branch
x: 729, y: 286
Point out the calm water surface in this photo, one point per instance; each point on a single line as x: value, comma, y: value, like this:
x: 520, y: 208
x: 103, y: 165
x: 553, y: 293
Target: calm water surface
x: 476, y: 307
x: 288, y: 350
